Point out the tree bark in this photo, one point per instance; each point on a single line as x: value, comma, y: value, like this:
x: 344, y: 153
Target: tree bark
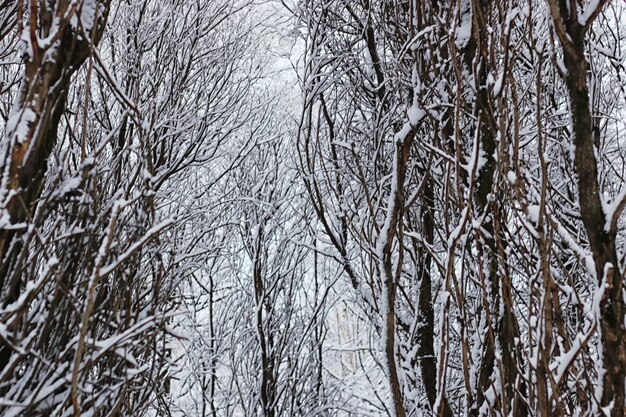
x: 506, y: 328
x: 31, y: 133
x: 425, y: 333
x: 601, y: 232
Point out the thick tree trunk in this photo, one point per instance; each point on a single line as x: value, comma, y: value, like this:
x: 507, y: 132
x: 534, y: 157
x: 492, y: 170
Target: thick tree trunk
x: 571, y: 33
x: 31, y: 132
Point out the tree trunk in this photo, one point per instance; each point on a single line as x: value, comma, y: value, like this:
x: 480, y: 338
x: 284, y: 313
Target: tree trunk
x: 31, y: 132
x: 505, y: 329
x: 571, y: 33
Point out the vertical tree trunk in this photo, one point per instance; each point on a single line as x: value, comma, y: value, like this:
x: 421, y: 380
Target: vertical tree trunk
x: 505, y: 329
x: 386, y: 240
x: 268, y: 385
x: 571, y: 33
x: 425, y: 333
x: 31, y: 131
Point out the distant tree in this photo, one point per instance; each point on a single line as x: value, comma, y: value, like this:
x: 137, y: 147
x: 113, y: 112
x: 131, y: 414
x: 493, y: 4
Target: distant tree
x: 121, y: 109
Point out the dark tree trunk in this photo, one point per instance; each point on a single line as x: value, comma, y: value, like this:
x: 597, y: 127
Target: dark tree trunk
x: 571, y: 34
x: 505, y: 329
x: 38, y: 110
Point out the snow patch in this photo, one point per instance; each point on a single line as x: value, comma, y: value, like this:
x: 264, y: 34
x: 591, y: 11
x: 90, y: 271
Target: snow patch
x: 589, y: 10
x: 533, y: 213
x: 511, y: 177
x: 464, y: 31
x: 610, y: 208
x: 416, y: 114
x: 18, y: 124
x: 86, y: 14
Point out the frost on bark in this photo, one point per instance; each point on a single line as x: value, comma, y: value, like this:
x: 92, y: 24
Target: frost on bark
x: 56, y: 40
x: 503, y: 328
x: 571, y: 27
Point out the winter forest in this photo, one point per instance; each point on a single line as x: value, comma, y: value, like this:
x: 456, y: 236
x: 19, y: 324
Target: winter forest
x: 398, y: 208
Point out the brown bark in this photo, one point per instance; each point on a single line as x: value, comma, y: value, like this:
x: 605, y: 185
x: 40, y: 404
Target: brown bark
x: 505, y: 329
x: 422, y: 14
x: 43, y: 92
x: 571, y: 34
x: 268, y: 384
x: 425, y: 333
x: 403, y: 148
